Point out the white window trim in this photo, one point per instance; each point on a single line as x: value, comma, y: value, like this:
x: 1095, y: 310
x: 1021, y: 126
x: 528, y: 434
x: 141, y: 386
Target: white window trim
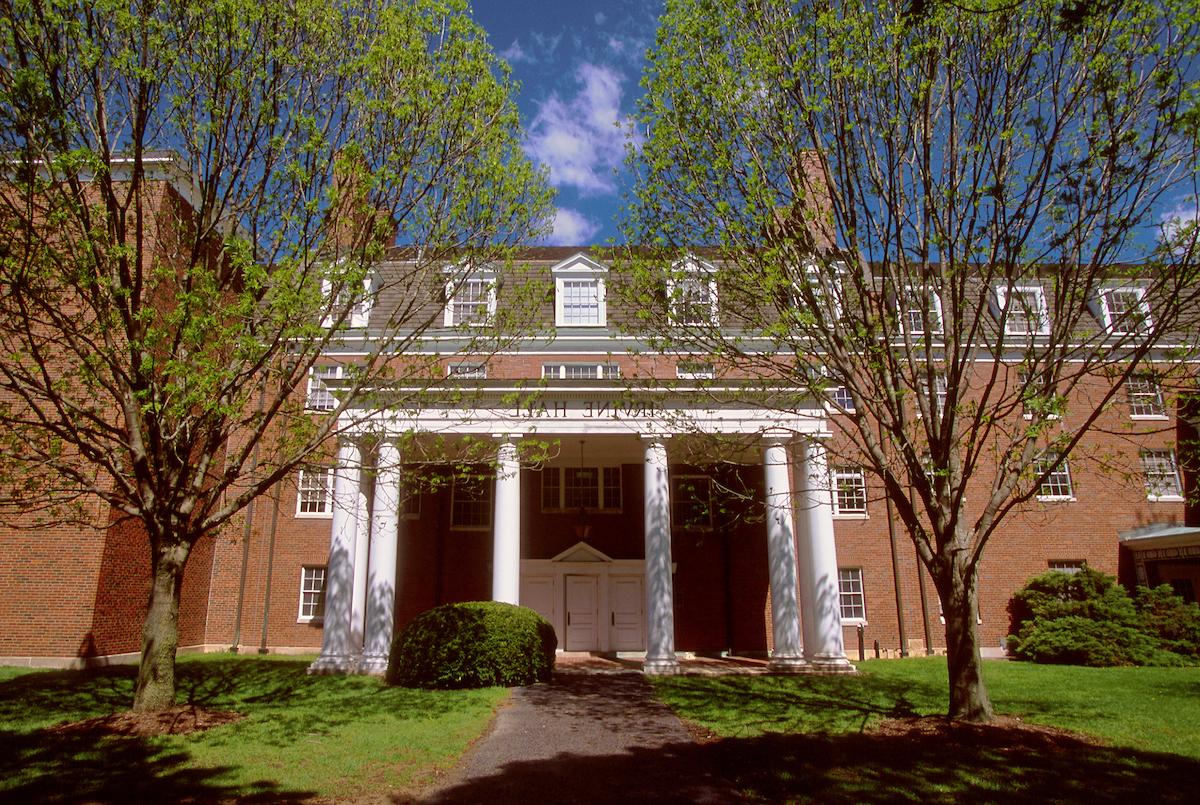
x: 360, y: 315
x: 903, y: 308
x: 604, y: 371
x: 317, y: 386
x: 685, y: 271
x: 457, y: 279
x: 835, y: 473
x: 1001, y: 293
x: 1060, y: 465
x: 1104, y: 313
x: 1156, y: 387
x: 329, y: 479
x: 1172, y: 498
x: 300, y: 616
x: 862, y: 593
x: 695, y: 370
x: 467, y: 370
x: 580, y: 267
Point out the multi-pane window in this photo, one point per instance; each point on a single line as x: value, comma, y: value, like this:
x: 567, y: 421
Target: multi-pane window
x: 467, y: 371
x: 1145, y: 396
x: 312, y: 592
x: 691, y: 502
x: 691, y: 370
x: 850, y: 590
x: 319, y: 397
x: 921, y: 312
x: 471, y: 502
x: 570, y: 488
x: 314, y: 492
x: 693, y: 299
x: 580, y: 302
x: 841, y: 397
x: 581, y: 371
x: 1124, y: 310
x: 1024, y: 309
x: 471, y: 301
x: 1056, y: 484
x: 1162, y: 474
x: 410, y: 497
x: 849, y: 490
x: 1068, y: 566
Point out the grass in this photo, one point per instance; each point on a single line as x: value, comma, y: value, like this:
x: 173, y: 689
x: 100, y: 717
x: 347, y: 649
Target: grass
x: 816, y: 730
x: 301, y: 736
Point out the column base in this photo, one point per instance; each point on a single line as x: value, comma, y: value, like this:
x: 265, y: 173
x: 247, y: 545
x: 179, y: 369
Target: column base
x: 660, y: 667
x: 373, y: 665
x: 333, y: 664
x: 832, y: 665
x: 787, y: 665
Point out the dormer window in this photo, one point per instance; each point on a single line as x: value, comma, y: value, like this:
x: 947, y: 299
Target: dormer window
x: 1023, y: 309
x: 351, y: 307
x: 920, y: 311
x: 470, y: 298
x: 579, y: 293
x: 1123, y: 309
x: 692, y: 293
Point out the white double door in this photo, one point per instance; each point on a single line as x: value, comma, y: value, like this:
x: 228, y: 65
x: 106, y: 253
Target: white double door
x: 599, y: 611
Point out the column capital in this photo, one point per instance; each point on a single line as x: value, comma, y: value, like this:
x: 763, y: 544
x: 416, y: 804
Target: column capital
x: 508, y: 438
x: 816, y: 437
x: 778, y: 436
x: 655, y: 438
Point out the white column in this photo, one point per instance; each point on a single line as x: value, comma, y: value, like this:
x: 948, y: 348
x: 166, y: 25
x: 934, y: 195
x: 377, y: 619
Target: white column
x: 362, y: 549
x: 787, y: 654
x: 660, y: 604
x: 337, y: 649
x: 381, y: 586
x: 820, y: 602
x: 506, y: 535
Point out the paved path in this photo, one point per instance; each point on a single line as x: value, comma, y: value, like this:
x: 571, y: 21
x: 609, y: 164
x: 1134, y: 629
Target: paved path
x: 585, y: 738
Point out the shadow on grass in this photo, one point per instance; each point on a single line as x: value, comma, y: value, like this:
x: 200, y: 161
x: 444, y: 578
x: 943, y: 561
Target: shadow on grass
x: 856, y: 767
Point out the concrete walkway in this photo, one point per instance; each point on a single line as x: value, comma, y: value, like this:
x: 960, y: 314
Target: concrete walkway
x: 585, y: 737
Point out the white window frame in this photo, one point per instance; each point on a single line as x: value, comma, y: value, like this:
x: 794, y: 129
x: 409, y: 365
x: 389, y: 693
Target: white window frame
x: 683, y: 274
x: 855, y: 479
x: 841, y: 398
x: 312, y: 594
x: 317, y: 396
x: 459, y: 280
x: 1068, y: 566
x: 695, y: 370
x: 1041, y: 326
x: 580, y: 268
x: 467, y: 370
x: 850, y: 598
x: 1058, y: 476
x: 824, y: 294
x: 604, y: 474
x: 1110, y: 320
x: 593, y: 371
x: 1167, y: 468
x: 1145, y: 393
x: 907, y: 306
x: 359, y: 315
x: 304, y: 488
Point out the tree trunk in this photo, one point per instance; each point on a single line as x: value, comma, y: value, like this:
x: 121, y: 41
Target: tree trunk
x: 160, y: 633
x: 969, y: 699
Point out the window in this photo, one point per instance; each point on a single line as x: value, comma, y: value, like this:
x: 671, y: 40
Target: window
x: 1162, y: 474
x: 572, y: 488
x: 314, y: 492
x: 1068, y: 566
x: 1145, y: 396
x: 1124, y: 310
x: 692, y: 294
x: 840, y: 395
x: 349, y: 309
x: 410, y: 497
x: 471, y: 502
x: 579, y: 292
x: 580, y: 302
x: 312, y: 592
x: 921, y: 312
x: 691, y: 502
x: 467, y: 371
x: 850, y: 490
x: 581, y: 371
x: 690, y: 370
x: 1023, y: 308
x: 850, y: 589
x: 940, y: 391
x: 1056, y: 485
x: 470, y: 300
x: 319, y: 397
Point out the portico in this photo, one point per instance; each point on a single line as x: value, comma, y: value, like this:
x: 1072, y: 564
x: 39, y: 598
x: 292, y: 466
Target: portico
x: 625, y: 602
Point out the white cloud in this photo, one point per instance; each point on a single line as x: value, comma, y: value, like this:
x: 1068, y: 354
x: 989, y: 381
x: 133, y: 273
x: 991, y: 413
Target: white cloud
x: 600, y: 18
x: 515, y: 54
x: 580, y: 139
x: 546, y: 44
x: 572, y: 228
x: 1179, y: 225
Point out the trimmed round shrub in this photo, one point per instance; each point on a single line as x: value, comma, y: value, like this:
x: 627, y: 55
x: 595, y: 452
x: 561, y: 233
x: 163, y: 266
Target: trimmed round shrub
x: 474, y: 644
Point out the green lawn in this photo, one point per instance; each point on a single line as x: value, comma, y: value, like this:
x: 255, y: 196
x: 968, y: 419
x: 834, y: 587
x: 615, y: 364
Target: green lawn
x: 301, y: 737
x: 815, y: 731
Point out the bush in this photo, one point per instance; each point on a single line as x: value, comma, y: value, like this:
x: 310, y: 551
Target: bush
x: 473, y: 645
x: 1085, y: 618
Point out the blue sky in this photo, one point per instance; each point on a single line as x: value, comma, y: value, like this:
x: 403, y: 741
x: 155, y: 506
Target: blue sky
x: 579, y: 65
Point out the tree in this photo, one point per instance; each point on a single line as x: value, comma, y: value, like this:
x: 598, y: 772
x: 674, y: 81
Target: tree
x: 197, y: 197
x: 882, y: 190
